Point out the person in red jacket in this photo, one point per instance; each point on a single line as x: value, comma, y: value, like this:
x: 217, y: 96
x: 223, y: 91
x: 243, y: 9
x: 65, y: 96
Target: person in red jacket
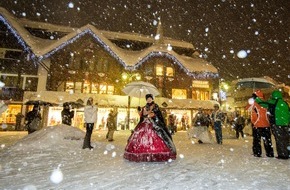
x: 261, y: 126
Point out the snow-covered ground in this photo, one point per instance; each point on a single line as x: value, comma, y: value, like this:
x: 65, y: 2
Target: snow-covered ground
x: 52, y: 158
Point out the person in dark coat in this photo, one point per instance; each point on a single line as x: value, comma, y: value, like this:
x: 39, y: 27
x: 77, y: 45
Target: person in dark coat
x: 199, y: 128
x: 111, y: 125
x: 30, y: 117
x: 239, y: 125
x: 171, y: 124
x: 66, y: 114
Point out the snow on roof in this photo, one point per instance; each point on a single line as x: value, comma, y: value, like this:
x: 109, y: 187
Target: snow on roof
x: 129, y: 59
x: 144, y: 38
x: 46, y: 26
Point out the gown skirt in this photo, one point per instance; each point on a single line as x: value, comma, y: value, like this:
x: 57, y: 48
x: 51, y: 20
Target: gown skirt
x: 145, y: 145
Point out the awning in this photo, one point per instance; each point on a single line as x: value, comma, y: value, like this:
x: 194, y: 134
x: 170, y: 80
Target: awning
x: 106, y: 100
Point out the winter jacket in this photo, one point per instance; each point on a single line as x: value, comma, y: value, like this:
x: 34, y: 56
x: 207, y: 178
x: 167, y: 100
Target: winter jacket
x: 31, y: 115
x: 90, y: 113
x: 259, y: 117
x: 200, y: 120
x: 217, y: 116
x: 111, y: 121
x: 279, y: 109
x: 66, y: 116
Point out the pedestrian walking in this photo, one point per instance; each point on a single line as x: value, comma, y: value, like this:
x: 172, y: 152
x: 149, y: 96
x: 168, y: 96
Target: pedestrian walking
x: 239, y: 125
x: 111, y: 125
x: 199, y: 129
x: 217, y: 118
x: 171, y: 124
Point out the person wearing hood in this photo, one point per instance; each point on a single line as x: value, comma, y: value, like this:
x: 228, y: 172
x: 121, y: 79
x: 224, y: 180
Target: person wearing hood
x: 261, y: 125
x: 33, y: 119
x: 66, y: 114
x: 90, y: 113
x: 151, y: 140
x: 279, y: 119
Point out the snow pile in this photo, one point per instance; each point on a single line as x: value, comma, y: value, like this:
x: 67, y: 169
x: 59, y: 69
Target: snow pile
x: 49, y: 137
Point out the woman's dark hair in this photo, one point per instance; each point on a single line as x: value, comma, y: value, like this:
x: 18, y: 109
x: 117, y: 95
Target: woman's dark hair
x: 149, y: 96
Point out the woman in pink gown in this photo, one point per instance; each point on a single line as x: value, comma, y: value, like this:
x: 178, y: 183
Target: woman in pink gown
x: 150, y: 141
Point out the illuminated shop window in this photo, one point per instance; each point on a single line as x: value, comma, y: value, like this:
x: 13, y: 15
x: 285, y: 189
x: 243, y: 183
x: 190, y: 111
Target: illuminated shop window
x: 200, y: 95
x: 87, y: 88
x: 78, y: 87
x: 95, y: 88
x: 110, y: 89
x: 179, y: 94
x: 69, y: 86
x: 159, y: 70
x: 103, y: 88
x: 106, y: 89
x: 9, y: 116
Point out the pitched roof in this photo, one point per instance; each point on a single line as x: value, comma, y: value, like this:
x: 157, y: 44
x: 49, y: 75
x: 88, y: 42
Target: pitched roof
x: 42, y: 48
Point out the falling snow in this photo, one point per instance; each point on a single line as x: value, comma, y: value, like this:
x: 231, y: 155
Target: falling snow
x: 216, y: 27
x: 52, y: 158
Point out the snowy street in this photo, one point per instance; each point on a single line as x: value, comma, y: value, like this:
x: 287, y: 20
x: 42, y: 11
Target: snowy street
x: 52, y: 158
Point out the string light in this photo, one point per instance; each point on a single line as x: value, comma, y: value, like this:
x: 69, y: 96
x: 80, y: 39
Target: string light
x: 197, y: 75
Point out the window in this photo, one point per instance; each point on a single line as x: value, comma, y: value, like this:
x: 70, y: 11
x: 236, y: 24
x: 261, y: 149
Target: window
x: 10, y: 81
x: 169, y: 72
x: 200, y: 95
x: 110, y: 89
x: 87, y: 88
x: 31, y: 84
x: 159, y: 70
x: 106, y: 89
x: 69, y: 86
x: 95, y: 88
x: 103, y: 88
x: 179, y: 94
x: 78, y: 87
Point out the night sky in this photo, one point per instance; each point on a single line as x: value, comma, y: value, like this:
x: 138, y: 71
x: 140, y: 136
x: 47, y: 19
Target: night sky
x: 219, y: 29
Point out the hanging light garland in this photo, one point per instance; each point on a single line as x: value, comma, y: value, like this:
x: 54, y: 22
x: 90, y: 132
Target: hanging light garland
x: 18, y: 37
x: 197, y: 75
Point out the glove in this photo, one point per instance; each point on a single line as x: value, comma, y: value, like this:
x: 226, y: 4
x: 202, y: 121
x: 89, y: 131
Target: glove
x: 254, y: 96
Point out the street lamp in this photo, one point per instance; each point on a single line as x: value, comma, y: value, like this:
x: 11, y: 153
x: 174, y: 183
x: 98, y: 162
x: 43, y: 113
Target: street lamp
x: 223, y: 88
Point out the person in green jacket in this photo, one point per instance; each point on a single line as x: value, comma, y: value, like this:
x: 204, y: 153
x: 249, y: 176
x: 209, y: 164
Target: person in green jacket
x: 280, y: 119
